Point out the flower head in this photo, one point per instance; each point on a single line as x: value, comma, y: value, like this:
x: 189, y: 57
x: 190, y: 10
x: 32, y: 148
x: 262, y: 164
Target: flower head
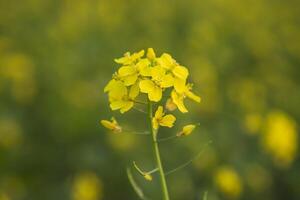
x: 160, y: 119
x: 149, y: 74
x: 112, y: 125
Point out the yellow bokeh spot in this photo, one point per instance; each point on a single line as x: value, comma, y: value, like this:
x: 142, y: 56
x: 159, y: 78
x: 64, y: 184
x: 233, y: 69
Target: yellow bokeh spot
x: 280, y: 138
x: 228, y: 182
x: 87, y: 186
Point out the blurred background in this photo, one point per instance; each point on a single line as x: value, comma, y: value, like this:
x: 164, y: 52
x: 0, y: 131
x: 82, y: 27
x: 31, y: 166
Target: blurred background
x: 57, y: 55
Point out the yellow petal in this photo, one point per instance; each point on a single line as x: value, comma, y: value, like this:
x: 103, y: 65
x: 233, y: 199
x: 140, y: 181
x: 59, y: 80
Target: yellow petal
x: 107, y: 124
x: 167, y: 120
x: 156, y: 94
x: 147, y: 86
x: 144, y: 67
x: 126, y: 71
x: 134, y: 90
x: 114, y: 126
x: 187, y: 130
x: 180, y: 72
x: 117, y: 90
x: 130, y: 80
x: 126, y: 106
x: 157, y: 72
x: 179, y: 85
x: 193, y: 96
x: 178, y: 100
x: 116, y: 105
x: 159, y: 112
x: 166, y: 61
x: 167, y: 81
x: 126, y: 60
x: 151, y: 54
x: 138, y: 55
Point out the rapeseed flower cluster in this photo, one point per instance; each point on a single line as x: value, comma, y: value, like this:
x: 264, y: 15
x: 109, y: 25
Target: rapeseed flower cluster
x: 150, y: 75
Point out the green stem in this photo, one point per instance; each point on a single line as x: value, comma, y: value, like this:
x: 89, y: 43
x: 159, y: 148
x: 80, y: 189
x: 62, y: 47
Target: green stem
x: 157, y: 154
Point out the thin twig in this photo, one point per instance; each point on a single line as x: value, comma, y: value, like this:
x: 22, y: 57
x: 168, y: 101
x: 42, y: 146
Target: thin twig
x: 189, y: 161
x: 135, y: 132
x: 140, y: 110
x: 167, y: 138
x: 135, y: 186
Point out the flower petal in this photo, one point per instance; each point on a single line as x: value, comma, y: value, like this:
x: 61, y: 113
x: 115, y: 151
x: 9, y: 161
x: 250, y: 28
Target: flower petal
x: 126, y: 71
x: 167, y: 120
x: 193, y: 96
x: 146, y: 86
x: 107, y: 124
x: 178, y: 100
x: 167, y: 81
x: 127, y: 106
x: 134, y: 90
x: 180, y: 72
x: 130, y: 80
x: 156, y: 94
x: 179, y: 85
x: 151, y: 54
x: 159, y: 112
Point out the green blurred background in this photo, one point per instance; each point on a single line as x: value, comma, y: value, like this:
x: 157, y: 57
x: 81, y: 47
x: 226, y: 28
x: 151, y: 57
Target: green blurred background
x: 57, y: 55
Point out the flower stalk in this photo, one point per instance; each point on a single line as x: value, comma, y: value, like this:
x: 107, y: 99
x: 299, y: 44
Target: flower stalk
x: 153, y: 131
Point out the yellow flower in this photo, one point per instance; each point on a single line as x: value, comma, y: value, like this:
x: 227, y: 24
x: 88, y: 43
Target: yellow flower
x: 120, y: 97
x: 154, y: 87
x: 179, y: 97
x: 180, y: 73
x: 112, y: 125
x: 186, y: 130
x: 280, y: 138
x: 228, y: 182
x: 160, y: 119
x: 129, y: 74
x: 130, y: 59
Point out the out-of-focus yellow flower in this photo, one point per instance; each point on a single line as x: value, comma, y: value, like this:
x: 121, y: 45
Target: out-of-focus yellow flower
x: 112, y: 125
x: 128, y: 59
x: 87, y: 186
x: 160, y: 119
x: 180, y: 73
x: 178, y: 98
x: 186, y: 130
x: 280, y: 138
x: 253, y: 122
x: 228, y: 182
x: 170, y: 105
x: 154, y: 87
